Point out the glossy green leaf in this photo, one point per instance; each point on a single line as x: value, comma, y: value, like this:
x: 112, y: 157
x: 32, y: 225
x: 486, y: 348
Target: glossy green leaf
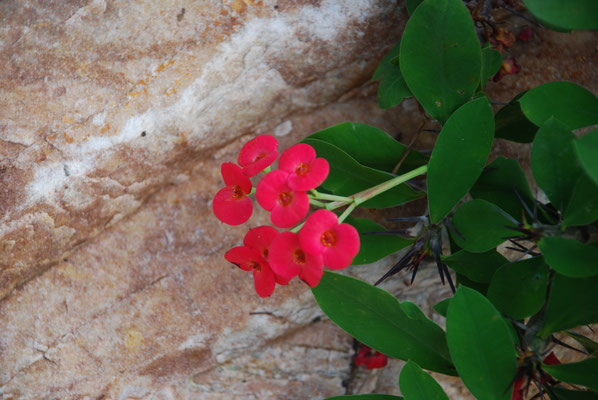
x: 366, y: 397
x: 554, y: 163
x: 370, y: 146
x: 571, y: 104
x: 513, y: 125
x: 440, y: 56
x: 459, y: 156
x: 491, y: 63
x: 570, y: 14
x: 572, y: 302
x: 478, y: 267
x: 442, y: 306
x: 392, y: 88
x: 569, y: 257
x: 587, y: 343
x: 377, y: 319
x: 566, y: 394
x: 519, y: 289
x: 374, y: 247
x: 499, y: 184
x: 582, y: 208
x: 347, y: 177
x: 583, y: 373
x: 482, y: 225
x: 481, y: 345
x: 478, y: 286
x: 587, y: 151
x: 416, y: 384
x: 412, y: 5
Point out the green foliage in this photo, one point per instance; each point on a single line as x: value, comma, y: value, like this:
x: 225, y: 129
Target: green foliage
x: 582, y: 208
x: 375, y: 247
x: 478, y: 267
x: 480, y: 345
x: 554, y: 163
x: 440, y: 56
x: 348, y: 177
x: 570, y: 257
x: 376, y: 318
x: 519, y: 289
x: 491, y: 63
x: 392, y: 88
x: 569, y: 14
x: 416, y: 384
x: 587, y: 148
x: 459, y: 156
x: 366, y: 397
x: 482, y: 226
x: 583, y: 373
x: 512, y: 124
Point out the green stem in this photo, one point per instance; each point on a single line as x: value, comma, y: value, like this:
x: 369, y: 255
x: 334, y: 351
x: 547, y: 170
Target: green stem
x: 346, y: 213
x: 317, y: 203
x: 296, y: 229
x: 332, y: 197
x: 365, y: 195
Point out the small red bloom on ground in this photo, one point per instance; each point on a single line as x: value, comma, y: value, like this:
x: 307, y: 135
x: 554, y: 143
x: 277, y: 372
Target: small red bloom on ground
x: 231, y: 204
x: 288, y: 206
x: 526, y: 34
x: 258, y: 154
x: 249, y: 259
x: 509, y: 67
x: 288, y: 259
x: 370, y: 358
x: 337, y: 243
x: 306, y: 172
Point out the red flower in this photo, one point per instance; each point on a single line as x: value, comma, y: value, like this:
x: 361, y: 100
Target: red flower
x: 306, y: 172
x: 337, y: 243
x: 509, y: 67
x: 370, y: 358
x: 526, y: 34
x: 258, y: 154
x: 551, y: 359
x: 287, y: 205
x: 518, y: 389
x: 260, y: 239
x: 231, y: 204
x: 249, y: 259
x: 288, y: 259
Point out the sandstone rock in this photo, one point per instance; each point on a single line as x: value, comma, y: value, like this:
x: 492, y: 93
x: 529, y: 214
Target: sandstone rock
x: 116, y: 118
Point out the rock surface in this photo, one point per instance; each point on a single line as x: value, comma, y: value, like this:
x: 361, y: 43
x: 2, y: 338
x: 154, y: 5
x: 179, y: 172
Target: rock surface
x: 115, y: 119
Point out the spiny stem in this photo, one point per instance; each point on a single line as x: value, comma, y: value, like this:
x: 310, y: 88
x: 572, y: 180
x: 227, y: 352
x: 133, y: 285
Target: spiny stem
x: 346, y: 213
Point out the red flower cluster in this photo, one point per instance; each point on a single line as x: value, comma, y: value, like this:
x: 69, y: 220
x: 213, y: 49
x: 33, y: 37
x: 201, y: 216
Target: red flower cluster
x: 273, y: 256
x: 370, y: 358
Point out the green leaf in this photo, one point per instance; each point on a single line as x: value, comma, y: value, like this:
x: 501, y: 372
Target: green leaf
x: 440, y: 56
x: 478, y: 267
x: 459, y: 156
x: 570, y: 14
x: 513, y: 125
x: 416, y: 384
x: 491, y: 63
x: 566, y: 394
x: 572, y: 302
x: 482, y: 225
x: 370, y: 146
x: 366, y: 397
x: 478, y: 286
x: 442, y: 306
x: 374, y: 247
x: 347, y: 177
x: 481, y: 345
x: 392, y: 89
x: 587, y: 343
x: 499, y: 184
x: 377, y: 319
x: 519, y: 289
x: 569, y: 257
x: 554, y: 163
x: 582, y: 208
x: 412, y: 5
x: 587, y: 148
x: 573, y: 105
x: 583, y: 373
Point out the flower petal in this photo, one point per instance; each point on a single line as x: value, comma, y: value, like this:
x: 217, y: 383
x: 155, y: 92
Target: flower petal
x: 344, y: 250
x: 295, y: 155
x: 264, y: 281
x: 315, y: 225
x: 260, y: 238
x: 282, y: 255
x: 233, y: 175
x: 312, y: 270
x: 258, y: 154
x: 292, y: 214
x: 318, y: 172
x: 230, y: 210
x: 242, y: 257
x: 270, y: 187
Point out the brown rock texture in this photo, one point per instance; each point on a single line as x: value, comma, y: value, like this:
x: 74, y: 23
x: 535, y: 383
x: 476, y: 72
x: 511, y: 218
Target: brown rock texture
x: 115, y: 118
